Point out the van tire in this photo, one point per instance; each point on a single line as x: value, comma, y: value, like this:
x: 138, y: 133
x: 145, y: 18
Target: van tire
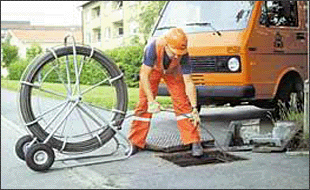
x: 289, y: 98
x: 265, y: 104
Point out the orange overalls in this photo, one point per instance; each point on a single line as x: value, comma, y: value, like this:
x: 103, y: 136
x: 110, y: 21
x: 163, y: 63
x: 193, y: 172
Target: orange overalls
x: 174, y: 80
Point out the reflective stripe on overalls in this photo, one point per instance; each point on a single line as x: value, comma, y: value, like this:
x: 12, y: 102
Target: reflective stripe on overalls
x: 174, y: 80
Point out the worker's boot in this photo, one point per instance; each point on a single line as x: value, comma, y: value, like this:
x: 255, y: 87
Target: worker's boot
x: 135, y: 149
x: 197, y: 149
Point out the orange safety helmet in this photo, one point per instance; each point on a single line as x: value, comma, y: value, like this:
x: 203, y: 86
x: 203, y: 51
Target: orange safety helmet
x: 176, y: 40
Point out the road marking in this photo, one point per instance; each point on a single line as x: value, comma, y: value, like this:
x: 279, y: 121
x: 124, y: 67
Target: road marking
x: 297, y: 153
x: 16, y: 127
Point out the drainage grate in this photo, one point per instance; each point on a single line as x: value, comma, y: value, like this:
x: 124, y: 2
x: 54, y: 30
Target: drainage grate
x: 185, y: 159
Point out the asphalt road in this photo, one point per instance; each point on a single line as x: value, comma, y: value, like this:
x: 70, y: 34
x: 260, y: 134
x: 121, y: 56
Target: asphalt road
x: 146, y: 170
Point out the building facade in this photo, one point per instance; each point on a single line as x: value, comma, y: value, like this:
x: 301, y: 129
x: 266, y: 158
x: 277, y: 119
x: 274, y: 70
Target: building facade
x: 111, y: 24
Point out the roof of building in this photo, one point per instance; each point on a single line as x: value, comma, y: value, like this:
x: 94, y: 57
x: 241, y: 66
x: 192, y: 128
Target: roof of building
x: 27, y: 26
x: 14, y: 24
x: 45, y: 36
x: 87, y: 3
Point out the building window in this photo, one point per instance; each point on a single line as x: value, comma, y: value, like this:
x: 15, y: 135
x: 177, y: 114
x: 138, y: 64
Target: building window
x: 88, y: 37
x: 120, y: 31
x: 96, y: 12
x: 97, y: 35
x: 107, y: 33
x: 117, y: 4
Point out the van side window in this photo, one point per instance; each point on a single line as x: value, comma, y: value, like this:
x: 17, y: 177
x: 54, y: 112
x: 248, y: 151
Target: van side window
x: 279, y: 13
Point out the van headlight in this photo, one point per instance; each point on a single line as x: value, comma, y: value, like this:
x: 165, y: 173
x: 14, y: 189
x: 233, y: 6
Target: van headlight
x: 233, y: 64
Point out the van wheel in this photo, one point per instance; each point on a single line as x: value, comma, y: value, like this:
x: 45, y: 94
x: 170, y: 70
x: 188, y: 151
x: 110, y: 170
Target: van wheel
x: 264, y: 104
x: 289, y: 99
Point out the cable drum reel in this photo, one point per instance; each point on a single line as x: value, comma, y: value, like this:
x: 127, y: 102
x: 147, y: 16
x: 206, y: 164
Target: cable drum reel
x: 71, y: 124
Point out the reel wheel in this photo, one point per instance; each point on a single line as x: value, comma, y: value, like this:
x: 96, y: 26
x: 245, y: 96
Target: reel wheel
x: 21, y: 146
x: 40, y: 157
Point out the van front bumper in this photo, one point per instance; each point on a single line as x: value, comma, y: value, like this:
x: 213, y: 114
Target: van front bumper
x: 220, y: 92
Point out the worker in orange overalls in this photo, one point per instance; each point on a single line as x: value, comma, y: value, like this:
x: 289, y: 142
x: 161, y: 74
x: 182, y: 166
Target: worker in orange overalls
x: 167, y: 57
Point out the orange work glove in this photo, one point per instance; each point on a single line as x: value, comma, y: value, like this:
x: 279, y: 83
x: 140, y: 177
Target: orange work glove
x: 196, y: 118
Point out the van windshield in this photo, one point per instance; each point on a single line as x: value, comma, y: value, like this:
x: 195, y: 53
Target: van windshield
x: 219, y: 16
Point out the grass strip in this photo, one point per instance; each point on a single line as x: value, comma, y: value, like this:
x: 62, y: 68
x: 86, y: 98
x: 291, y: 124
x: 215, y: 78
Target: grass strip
x: 94, y: 97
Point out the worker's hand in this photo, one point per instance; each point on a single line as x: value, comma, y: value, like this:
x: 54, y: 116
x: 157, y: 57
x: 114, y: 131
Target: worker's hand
x: 196, y: 118
x: 153, y: 107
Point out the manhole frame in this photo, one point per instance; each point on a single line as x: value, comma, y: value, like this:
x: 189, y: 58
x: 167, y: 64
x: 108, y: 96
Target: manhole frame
x: 215, y: 156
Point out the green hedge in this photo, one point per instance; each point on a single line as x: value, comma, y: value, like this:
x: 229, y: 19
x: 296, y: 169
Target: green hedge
x: 129, y: 60
x: 9, y: 53
x: 91, y: 74
x: 16, y: 69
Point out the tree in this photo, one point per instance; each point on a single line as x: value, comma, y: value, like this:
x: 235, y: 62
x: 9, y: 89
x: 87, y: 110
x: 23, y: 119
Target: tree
x: 149, y: 15
x: 10, y: 53
x: 135, y: 40
x: 33, y: 51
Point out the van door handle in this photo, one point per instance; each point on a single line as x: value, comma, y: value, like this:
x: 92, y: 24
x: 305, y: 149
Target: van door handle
x: 300, y: 36
x: 252, y: 48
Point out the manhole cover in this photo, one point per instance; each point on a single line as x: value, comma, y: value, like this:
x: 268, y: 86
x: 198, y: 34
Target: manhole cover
x: 185, y: 159
x: 168, y: 148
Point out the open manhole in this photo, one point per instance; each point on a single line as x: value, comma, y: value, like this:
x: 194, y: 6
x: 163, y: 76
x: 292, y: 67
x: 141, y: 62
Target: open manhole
x: 185, y: 159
